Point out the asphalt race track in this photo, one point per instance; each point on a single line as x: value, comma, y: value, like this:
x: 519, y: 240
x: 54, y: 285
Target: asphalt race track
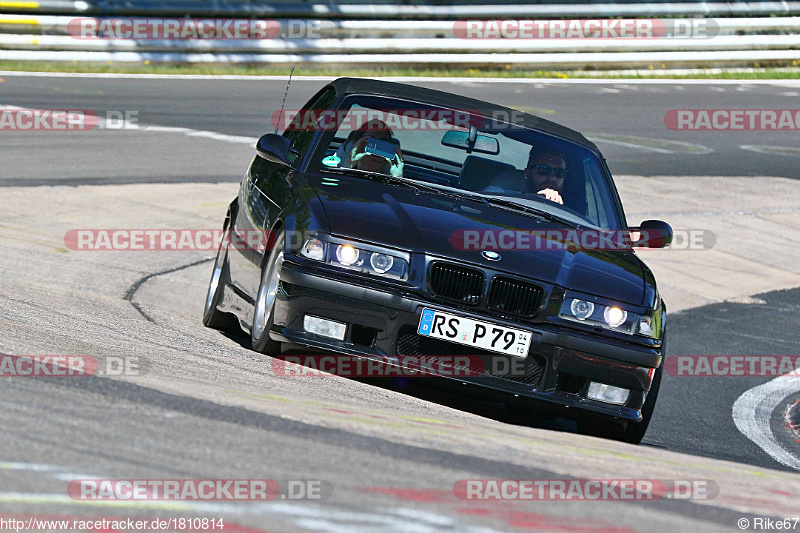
x: 385, y: 453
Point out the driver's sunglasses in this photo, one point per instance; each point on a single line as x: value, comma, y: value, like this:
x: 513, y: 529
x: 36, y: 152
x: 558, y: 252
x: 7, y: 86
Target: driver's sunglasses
x: 544, y: 170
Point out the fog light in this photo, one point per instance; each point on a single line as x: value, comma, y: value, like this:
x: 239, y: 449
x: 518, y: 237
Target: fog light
x: 324, y: 327
x: 608, y: 393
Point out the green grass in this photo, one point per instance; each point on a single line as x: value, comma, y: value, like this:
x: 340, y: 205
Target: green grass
x: 790, y: 71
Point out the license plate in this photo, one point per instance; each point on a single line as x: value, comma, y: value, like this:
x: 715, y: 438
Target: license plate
x: 475, y: 333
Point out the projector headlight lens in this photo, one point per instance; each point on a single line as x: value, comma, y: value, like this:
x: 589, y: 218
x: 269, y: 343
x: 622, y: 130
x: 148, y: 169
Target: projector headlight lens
x: 347, y: 255
x: 614, y: 316
x: 610, y: 317
x: 365, y: 258
x: 581, y: 309
x: 381, y: 262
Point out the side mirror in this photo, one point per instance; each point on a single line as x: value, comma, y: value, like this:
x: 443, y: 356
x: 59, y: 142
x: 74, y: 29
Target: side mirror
x: 652, y: 234
x: 274, y: 148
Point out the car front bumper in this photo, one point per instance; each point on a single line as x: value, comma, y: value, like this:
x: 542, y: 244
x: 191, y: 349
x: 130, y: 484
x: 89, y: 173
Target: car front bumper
x: 558, y: 369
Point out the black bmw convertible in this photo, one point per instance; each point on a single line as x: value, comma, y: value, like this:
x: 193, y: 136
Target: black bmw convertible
x: 405, y: 223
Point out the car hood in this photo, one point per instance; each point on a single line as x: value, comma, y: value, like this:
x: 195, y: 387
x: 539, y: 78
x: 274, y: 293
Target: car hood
x: 401, y: 217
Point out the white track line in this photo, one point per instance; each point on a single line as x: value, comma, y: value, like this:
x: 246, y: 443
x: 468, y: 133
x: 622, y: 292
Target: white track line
x: 237, y: 139
x: 788, y: 151
x: 145, y: 128
x: 752, y: 413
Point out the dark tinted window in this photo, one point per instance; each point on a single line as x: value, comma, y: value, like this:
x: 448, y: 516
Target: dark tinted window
x: 301, y: 135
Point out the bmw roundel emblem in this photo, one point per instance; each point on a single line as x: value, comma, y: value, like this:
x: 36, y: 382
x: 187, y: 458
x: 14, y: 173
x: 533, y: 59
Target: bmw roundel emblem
x: 490, y: 255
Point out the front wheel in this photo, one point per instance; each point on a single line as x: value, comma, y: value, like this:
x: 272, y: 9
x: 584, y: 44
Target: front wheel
x: 213, y: 317
x: 264, y: 308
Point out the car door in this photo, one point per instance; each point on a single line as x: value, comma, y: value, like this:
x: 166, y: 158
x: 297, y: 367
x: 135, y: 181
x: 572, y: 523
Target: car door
x: 248, y: 217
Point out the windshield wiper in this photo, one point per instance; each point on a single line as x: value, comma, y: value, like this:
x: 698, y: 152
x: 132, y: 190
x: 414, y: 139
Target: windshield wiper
x: 420, y: 186
x: 539, y: 213
x: 408, y: 182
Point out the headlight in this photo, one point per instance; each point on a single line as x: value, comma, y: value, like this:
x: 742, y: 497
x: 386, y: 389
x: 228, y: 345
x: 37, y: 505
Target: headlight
x: 347, y: 255
x: 356, y: 257
x: 314, y: 249
x: 581, y: 309
x: 381, y: 262
x: 614, y: 316
x: 611, y: 317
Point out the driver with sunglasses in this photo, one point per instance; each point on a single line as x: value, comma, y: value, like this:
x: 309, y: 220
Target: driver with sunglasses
x: 544, y: 176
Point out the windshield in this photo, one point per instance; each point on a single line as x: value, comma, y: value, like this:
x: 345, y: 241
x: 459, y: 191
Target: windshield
x: 465, y: 151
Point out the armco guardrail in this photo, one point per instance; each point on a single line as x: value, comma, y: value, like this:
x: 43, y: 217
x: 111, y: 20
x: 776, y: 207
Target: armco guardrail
x: 369, y: 9
x: 360, y: 29
x: 397, y: 46
x: 556, y: 60
x: 43, y: 6
x: 723, y: 42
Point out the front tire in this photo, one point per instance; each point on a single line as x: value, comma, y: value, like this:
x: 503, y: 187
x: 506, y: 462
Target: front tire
x: 213, y: 317
x: 264, y: 308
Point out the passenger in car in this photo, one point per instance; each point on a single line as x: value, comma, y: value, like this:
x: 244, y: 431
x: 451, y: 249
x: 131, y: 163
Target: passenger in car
x: 544, y: 175
x: 357, y: 151
x: 375, y: 155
